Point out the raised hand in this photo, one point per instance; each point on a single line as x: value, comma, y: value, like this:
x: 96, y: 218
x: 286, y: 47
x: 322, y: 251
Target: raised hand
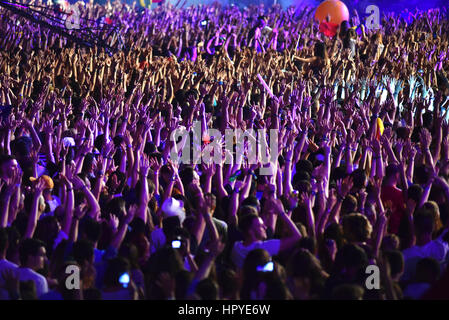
x: 307, y: 199
x: 344, y: 186
x: 446, y: 146
x: 209, y: 169
x: 425, y: 139
x: 108, y: 149
x: 78, y: 183
x: 113, y: 222
x: 130, y: 213
x: 216, y: 247
x: 155, y: 165
x: 144, y: 166
x: 40, y: 186
x: 377, y: 186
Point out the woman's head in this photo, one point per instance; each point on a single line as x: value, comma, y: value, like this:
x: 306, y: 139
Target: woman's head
x: 305, y: 274
x: 356, y: 227
x: 320, y: 50
x: 130, y: 252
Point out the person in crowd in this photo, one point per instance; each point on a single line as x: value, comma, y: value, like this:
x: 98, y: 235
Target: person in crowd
x: 116, y: 158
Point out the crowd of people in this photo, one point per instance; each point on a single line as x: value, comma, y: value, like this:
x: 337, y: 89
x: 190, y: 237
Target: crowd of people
x: 89, y: 183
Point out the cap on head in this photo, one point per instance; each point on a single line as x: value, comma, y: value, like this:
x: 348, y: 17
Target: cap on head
x: 48, y: 181
x: 173, y: 207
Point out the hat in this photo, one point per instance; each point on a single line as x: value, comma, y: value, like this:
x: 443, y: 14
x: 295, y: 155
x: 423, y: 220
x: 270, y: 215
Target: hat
x: 47, y: 179
x: 68, y: 142
x: 173, y: 208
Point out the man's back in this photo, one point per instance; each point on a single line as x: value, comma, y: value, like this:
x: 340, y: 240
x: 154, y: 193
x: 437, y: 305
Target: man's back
x: 435, y: 249
x: 240, y: 251
x: 5, y: 265
x: 26, y: 274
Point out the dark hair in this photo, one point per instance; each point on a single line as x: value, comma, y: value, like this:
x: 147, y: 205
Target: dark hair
x: 3, y: 239
x: 229, y: 282
x: 303, y: 186
x: 183, y: 280
x: 309, y: 244
x: 424, y: 222
x: 391, y: 170
x: 121, y: 177
x: 349, y: 205
x: 165, y: 259
x: 402, y: 132
x: 344, y: 27
x: 60, y: 256
x: 47, y: 230
x: 92, y: 294
x: 130, y: 252
x: 116, y: 206
x: 246, y: 222
x: 414, y: 192
x: 99, y: 142
x: 246, y: 210
x: 390, y: 242
x: 207, y: 289
x: 5, y: 158
x: 396, y: 260
x: 427, y: 118
x: 421, y: 174
x: 301, y: 175
x: 359, y: 178
x: 427, y: 270
x: 13, y: 242
x: 335, y: 231
x: 304, y: 265
x: 83, y: 250
x: 251, y: 277
x: 186, y: 175
x: 91, y: 229
x: 338, y: 173
x: 350, y: 256
x: 304, y: 165
x: 250, y: 201
x: 320, y: 50
x: 29, y: 247
x: 356, y: 227
x: 348, y: 291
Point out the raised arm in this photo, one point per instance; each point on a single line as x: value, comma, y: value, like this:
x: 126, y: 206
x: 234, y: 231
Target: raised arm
x: 94, y: 207
x: 290, y: 240
x: 33, y: 217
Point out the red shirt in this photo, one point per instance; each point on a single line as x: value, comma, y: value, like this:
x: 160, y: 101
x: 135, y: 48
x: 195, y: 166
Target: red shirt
x: 328, y: 28
x: 392, y: 199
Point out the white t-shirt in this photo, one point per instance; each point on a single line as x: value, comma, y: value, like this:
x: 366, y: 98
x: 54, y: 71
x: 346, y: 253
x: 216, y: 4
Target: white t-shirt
x: 54, y: 203
x: 239, y: 251
x: 5, y: 265
x: 26, y: 274
x: 436, y: 249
